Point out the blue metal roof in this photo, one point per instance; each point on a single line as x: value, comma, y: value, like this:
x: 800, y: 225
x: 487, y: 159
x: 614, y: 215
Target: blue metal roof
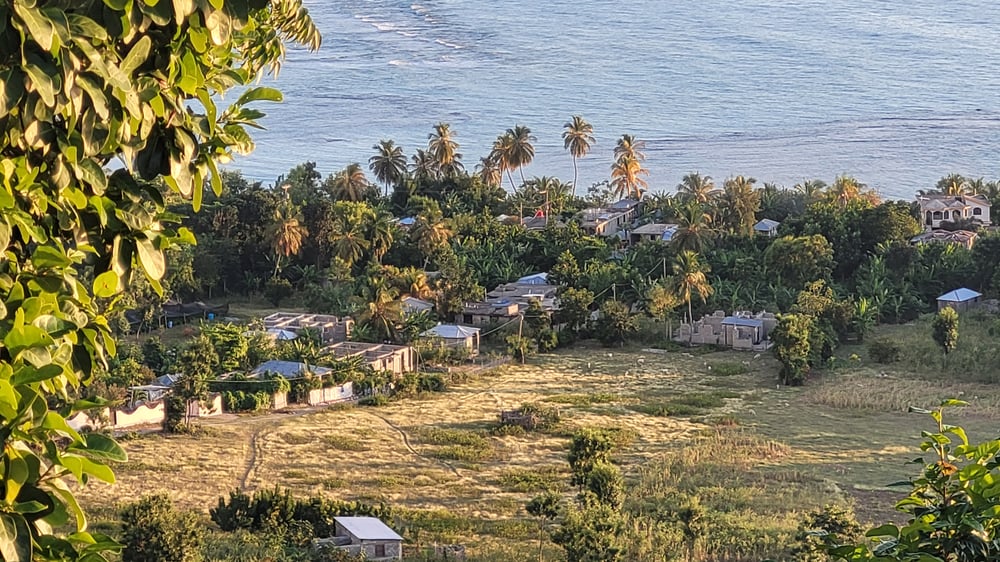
x: 287, y: 369
x: 766, y: 225
x: 960, y: 295
x: 737, y: 321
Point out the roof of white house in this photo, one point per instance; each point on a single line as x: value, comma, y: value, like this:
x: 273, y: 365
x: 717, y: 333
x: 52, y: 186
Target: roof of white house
x: 536, y: 279
x: 940, y: 201
x: 451, y: 332
x: 413, y: 303
x: 624, y: 204
x: 653, y: 229
x: 287, y: 369
x: 766, y: 225
x: 368, y: 528
x: 960, y: 295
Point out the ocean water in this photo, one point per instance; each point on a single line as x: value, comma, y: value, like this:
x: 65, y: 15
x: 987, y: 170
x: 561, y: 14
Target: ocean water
x: 896, y: 93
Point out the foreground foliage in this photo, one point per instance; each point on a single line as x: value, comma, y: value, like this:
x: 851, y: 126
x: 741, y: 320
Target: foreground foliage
x: 86, y: 83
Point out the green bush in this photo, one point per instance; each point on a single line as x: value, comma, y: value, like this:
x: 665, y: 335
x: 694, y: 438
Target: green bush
x: 153, y: 530
x: 374, y: 400
x: 277, y: 290
x: 240, y: 401
x: 884, y: 351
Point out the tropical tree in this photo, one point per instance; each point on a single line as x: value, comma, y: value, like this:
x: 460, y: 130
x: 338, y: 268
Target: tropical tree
x: 626, y: 177
x: 741, y: 202
x: 349, y: 243
x: 694, y: 227
x: 792, y: 337
x: 616, y: 323
x: 811, y: 190
x: 388, y: 164
x: 627, y: 169
x: 383, y: 312
x: 87, y: 88
x: 578, y: 138
x: 286, y: 233
x: 689, y: 281
x: 698, y: 188
x: 944, y: 329
x: 954, y: 184
x: 501, y: 156
x: 661, y: 302
x: 521, y: 148
x: 350, y: 184
x: 443, y: 148
x: 846, y: 189
x: 424, y: 166
x: 488, y: 170
x: 381, y: 233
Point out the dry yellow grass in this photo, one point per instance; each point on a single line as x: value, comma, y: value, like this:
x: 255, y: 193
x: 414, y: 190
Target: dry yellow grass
x: 832, y: 431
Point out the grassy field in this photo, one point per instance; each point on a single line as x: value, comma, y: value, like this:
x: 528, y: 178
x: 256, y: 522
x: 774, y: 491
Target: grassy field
x: 758, y: 455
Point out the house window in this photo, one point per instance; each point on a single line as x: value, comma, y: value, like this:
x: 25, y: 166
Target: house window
x: 379, y: 550
x: 929, y: 220
x: 937, y: 215
x: 467, y: 319
x: 977, y: 212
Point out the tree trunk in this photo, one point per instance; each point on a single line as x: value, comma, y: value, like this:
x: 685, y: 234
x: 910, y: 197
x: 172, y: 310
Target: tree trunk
x: 574, y: 176
x: 691, y: 324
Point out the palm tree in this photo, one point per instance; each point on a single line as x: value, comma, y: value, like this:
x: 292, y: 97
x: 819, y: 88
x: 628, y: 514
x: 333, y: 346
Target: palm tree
x: 955, y: 184
x: 424, y: 165
x: 626, y: 177
x: 694, y: 230
x: 522, y: 151
x: 698, y: 188
x: 690, y: 281
x: 350, y: 184
x: 381, y: 233
x: 812, y: 190
x: 430, y: 232
x: 503, y: 148
x: 846, y: 189
x: 489, y: 170
x: 349, y: 244
x: 578, y: 137
x: 631, y: 147
x: 286, y: 233
x: 443, y: 148
x: 389, y: 164
x: 742, y: 202
x: 414, y: 282
x: 383, y: 312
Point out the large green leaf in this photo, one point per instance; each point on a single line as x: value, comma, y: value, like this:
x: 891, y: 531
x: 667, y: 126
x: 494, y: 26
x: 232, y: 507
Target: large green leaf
x: 103, y: 447
x: 259, y: 93
x: 150, y: 258
x: 106, y: 285
x: 15, y: 541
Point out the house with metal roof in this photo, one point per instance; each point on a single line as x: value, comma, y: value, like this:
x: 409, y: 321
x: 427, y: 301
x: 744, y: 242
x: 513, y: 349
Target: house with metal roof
x: 413, y: 305
x: 767, y: 227
x: 364, y: 537
x: 741, y: 330
x: 964, y: 238
x: 453, y: 335
x: 960, y: 299
x: 652, y: 232
x: 288, y: 369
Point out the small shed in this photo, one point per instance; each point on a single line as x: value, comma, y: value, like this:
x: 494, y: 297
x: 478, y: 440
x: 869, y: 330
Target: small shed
x: 960, y: 299
x: 454, y: 335
x: 535, y: 279
x: 368, y: 537
x: 767, y: 227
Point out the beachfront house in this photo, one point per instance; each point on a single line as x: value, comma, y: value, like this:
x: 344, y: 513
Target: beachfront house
x: 938, y: 208
x: 453, y: 335
x: 960, y: 299
x: 364, y: 537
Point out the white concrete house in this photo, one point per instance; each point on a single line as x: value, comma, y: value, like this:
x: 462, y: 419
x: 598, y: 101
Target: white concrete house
x: 364, y: 536
x: 935, y: 209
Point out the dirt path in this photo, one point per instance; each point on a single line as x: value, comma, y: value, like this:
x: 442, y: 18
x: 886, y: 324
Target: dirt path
x: 406, y: 442
x: 256, y: 454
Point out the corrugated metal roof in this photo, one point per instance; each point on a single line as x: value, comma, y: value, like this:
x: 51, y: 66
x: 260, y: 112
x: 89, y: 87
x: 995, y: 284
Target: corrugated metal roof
x: 766, y: 224
x: 288, y: 369
x: 959, y: 295
x: 368, y: 529
x: 451, y: 331
x: 737, y: 321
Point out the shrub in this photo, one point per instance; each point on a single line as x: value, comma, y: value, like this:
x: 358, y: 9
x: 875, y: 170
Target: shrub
x: 240, y: 401
x: 374, y: 400
x: 884, y: 351
x: 728, y: 369
x: 153, y: 530
x: 277, y: 290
